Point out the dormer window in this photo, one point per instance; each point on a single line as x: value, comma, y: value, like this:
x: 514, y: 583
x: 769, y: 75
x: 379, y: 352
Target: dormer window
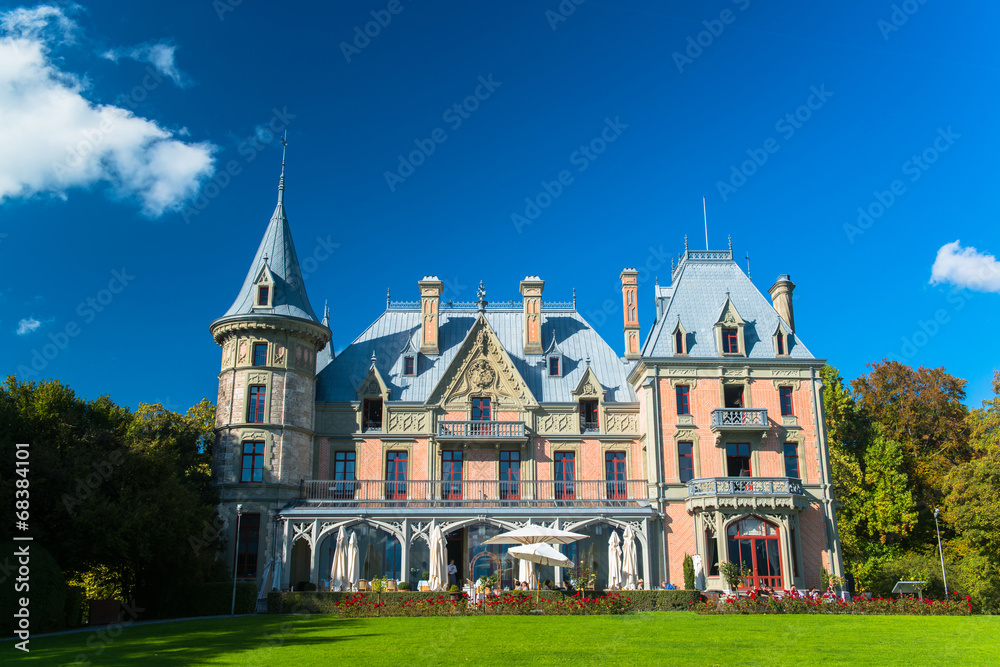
x: 553, y: 359
x: 371, y: 414
x: 680, y: 340
x: 779, y: 343
x: 589, y: 416
x: 263, y: 296
x: 554, y: 366
x: 409, y: 365
x: 730, y: 341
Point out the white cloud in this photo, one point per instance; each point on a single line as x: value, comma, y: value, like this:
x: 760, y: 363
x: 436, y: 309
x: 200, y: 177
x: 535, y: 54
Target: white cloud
x: 27, y: 325
x: 160, y: 55
x: 966, y: 267
x: 56, y: 139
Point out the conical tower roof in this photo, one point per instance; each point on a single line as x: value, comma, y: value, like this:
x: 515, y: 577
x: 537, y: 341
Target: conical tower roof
x: 276, y: 253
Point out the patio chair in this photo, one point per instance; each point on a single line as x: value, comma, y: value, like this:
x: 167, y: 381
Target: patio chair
x: 362, y: 585
x: 390, y: 585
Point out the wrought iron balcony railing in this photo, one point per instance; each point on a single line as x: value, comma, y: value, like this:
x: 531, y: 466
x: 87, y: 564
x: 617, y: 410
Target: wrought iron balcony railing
x: 475, y: 493
x: 480, y: 429
x: 737, y: 419
x: 737, y: 486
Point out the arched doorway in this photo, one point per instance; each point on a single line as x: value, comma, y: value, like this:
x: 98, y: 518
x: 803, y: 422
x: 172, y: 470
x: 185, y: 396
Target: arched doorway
x: 755, y: 543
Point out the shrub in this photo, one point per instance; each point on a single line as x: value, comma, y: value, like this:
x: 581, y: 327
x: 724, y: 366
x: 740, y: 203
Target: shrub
x: 688, y: 572
x: 404, y: 585
x: 454, y: 589
x: 879, y: 606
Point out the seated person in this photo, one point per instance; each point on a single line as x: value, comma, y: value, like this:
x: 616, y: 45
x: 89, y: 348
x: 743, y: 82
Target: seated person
x: 547, y: 585
x: 666, y: 586
x: 569, y: 589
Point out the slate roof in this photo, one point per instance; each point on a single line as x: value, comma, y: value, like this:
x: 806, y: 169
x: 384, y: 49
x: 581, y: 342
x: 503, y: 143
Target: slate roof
x: 697, y: 295
x: 289, y: 298
x: 387, y: 338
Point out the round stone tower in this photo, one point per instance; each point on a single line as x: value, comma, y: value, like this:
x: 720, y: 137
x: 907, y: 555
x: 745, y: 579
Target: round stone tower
x: 264, y: 426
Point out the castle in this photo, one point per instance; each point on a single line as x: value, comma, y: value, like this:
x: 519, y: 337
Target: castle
x: 706, y: 439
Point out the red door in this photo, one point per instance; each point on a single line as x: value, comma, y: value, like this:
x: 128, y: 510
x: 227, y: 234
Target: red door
x: 395, y: 475
x: 754, y: 542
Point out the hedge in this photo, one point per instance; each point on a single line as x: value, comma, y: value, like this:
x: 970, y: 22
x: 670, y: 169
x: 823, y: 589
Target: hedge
x: 304, y: 602
x: 216, y: 599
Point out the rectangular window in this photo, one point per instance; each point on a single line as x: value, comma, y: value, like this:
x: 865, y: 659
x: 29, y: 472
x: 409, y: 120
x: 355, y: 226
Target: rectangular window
x: 371, y: 414
x: 253, y: 462
x: 395, y: 475
x: 795, y: 552
x: 409, y: 365
x: 510, y: 475
x: 738, y: 459
x: 255, y: 414
x: 451, y: 475
x: 260, y: 354
x: 565, y: 473
x: 262, y: 293
x: 480, y: 413
x: 685, y: 460
x: 247, y: 546
x: 791, y: 460
x: 614, y: 471
x: 589, y: 416
x: 781, y: 343
x: 683, y: 399
x: 679, y: 343
x: 554, y: 366
x: 733, y: 395
x: 730, y: 341
x: 785, y: 396
x: 711, y: 544
x: 343, y: 474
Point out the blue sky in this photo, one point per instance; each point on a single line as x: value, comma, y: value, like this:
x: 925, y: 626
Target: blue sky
x: 851, y: 145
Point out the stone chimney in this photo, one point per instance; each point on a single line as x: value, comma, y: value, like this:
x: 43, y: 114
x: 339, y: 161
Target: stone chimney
x: 531, y: 290
x: 630, y: 309
x: 781, y: 297
x: 430, y: 306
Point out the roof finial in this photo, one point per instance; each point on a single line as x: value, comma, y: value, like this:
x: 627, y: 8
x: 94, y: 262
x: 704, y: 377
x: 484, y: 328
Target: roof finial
x: 387, y: 298
x: 281, y: 181
x: 730, y: 243
x: 574, y: 298
x: 587, y: 361
x: 685, y: 243
x: 671, y: 266
x: 482, y: 297
x: 265, y: 259
x: 748, y: 264
x: 326, y: 312
x: 373, y: 358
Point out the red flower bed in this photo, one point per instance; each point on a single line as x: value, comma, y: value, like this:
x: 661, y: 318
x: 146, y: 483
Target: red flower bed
x: 754, y: 604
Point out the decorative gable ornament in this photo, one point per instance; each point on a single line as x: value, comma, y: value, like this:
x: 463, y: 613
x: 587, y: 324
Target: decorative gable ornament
x: 589, y: 386
x: 373, y: 386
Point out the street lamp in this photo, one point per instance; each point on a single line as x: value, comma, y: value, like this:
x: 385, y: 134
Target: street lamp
x: 236, y: 555
x: 941, y: 552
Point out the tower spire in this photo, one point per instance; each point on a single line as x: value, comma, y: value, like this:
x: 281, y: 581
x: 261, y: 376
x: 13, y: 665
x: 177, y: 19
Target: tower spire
x: 281, y: 181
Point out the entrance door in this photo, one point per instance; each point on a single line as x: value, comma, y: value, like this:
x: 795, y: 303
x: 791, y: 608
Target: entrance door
x: 455, y: 549
x: 755, y: 543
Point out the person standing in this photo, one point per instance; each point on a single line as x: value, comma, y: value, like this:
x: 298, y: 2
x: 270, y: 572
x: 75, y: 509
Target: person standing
x: 452, y: 573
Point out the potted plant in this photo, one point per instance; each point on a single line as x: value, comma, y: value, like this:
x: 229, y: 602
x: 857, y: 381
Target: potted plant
x: 455, y: 591
x: 734, y: 574
x: 490, y: 582
x: 404, y: 586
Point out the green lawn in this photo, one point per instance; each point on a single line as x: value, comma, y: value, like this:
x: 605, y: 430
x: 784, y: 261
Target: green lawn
x: 678, y: 638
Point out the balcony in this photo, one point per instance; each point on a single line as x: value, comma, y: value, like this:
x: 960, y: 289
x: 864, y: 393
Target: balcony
x: 480, y: 430
x: 739, y: 419
x: 737, y: 493
x: 474, y: 493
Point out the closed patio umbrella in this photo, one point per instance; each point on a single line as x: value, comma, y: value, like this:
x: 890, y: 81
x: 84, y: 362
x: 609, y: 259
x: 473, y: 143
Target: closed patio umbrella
x: 614, y: 562
x: 277, y: 573
x: 338, y: 568
x: 630, y: 569
x: 265, y: 581
x: 353, y: 563
x: 439, y: 566
x: 526, y: 570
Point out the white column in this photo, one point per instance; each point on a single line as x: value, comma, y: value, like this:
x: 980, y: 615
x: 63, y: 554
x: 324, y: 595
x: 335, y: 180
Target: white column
x: 646, y: 572
x: 314, y: 556
x: 404, y: 559
x: 286, y: 555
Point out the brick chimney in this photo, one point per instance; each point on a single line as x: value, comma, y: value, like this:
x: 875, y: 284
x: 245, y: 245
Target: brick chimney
x: 430, y: 306
x: 630, y: 309
x: 531, y: 290
x: 781, y: 297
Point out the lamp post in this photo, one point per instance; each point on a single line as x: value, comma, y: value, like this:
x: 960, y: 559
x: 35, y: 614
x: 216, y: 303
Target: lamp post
x: 941, y: 552
x: 236, y: 555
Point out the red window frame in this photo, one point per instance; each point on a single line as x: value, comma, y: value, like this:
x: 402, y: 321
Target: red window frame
x: 371, y: 414
x: 565, y: 474
x: 615, y: 473
x: 791, y: 451
x: 262, y: 294
x: 738, y: 453
x: 590, y: 415
x: 685, y: 461
x: 260, y: 354
x: 678, y: 343
x: 395, y: 475
x: 255, y: 412
x: 451, y: 474
x: 247, y: 545
x: 683, y: 393
x: 554, y: 366
x: 254, y: 472
x: 730, y: 341
x: 510, y: 475
x: 408, y: 365
x: 761, y: 553
x: 481, y: 412
x: 785, y: 399
x: 344, y: 471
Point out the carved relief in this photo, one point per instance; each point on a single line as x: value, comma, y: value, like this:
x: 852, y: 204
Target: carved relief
x: 407, y: 422
x: 371, y: 388
x: 557, y: 423
x: 256, y: 378
x: 485, y: 369
x: 243, y: 352
x: 623, y: 423
x: 279, y: 355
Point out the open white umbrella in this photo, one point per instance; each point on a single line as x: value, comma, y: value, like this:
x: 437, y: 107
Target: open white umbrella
x: 541, y: 553
x: 614, y: 562
x: 353, y: 564
x: 439, y: 567
x: 630, y: 569
x: 338, y: 568
x: 532, y: 534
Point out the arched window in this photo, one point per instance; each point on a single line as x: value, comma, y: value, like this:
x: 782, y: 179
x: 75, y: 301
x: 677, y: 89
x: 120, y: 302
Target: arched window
x: 754, y: 542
